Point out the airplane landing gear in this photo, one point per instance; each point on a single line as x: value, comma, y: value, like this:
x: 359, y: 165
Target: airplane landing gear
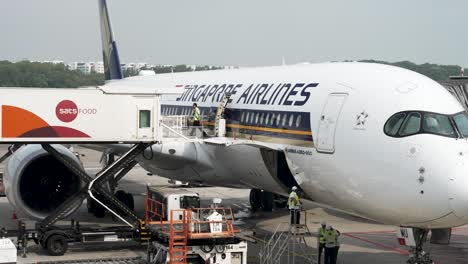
x: 418, y: 255
x: 261, y: 199
x: 254, y: 198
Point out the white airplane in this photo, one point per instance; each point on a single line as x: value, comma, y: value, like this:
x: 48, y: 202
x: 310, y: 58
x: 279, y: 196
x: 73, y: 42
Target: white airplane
x: 372, y: 140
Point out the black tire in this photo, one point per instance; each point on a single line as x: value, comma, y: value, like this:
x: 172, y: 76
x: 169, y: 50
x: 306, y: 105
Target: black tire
x: 281, y: 202
x: 267, y: 201
x: 255, y: 197
x: 57, y: 245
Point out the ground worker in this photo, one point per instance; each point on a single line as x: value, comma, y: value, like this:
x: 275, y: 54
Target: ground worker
x: 321, y: 240
x: 195, y: 118
x: 337, y: 247
x: 330, y: 245
x: 294, y: 206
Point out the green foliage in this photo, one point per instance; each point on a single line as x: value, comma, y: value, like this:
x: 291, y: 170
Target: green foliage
x: 129, y: 72
x: 35, y: 74
x: 434, y: 71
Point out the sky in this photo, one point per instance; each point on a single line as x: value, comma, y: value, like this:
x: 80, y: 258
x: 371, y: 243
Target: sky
x: 238, y: 32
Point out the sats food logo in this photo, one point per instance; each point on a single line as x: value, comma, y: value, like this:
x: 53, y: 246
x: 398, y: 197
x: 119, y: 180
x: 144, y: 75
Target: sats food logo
x: 67, y: 111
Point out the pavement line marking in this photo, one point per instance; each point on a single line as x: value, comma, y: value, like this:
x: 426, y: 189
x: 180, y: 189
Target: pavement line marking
x: 401, y: 251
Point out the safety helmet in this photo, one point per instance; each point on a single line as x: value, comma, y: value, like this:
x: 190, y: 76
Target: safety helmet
x: 294, y: 188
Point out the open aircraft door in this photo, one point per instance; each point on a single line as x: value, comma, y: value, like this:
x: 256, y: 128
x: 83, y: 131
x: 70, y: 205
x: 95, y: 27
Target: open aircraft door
x: 328, y: 121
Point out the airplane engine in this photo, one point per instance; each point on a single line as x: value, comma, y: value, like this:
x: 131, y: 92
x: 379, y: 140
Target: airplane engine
x: 36, y: 183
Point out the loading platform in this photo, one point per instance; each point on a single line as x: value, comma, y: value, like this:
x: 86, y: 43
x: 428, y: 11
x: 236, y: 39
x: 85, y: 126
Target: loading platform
x: 185, y: 231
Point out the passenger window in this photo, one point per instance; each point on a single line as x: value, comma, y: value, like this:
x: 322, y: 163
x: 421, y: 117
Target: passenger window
x: 291, y: 120
x: 438, y: 124
x: 278, y: 119
x: 394, y: 123
x: 411, y: 125
x: 272, y: 120
x: 247, y: 117
x: 145, y: 118
x: 267, y: 119
x: 285, y: 119
x: 242, y: 117
x: 262, y: 118
x: 257, y: 116
x: 298, y: 120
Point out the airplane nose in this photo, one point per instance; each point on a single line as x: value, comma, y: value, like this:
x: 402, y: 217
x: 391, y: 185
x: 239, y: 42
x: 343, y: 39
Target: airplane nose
x: 458, y: 195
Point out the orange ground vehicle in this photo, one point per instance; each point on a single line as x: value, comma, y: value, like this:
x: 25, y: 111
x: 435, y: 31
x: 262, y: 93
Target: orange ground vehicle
x: 182, y: 232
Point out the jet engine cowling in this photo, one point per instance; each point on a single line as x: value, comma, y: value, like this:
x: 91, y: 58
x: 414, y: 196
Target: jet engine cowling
x: 36, y: 183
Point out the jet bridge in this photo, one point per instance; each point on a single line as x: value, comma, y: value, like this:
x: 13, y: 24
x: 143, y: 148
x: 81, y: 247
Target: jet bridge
x: 83, y: 115
x: 95, y: 115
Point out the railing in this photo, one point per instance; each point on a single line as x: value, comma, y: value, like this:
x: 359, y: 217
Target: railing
x: 211, y: 222
x: 175, y: 126
x: 154, y: 211
x: 200, y: 222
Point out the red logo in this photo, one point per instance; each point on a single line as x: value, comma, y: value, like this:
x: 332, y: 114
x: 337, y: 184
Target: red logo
x: 66, y: 111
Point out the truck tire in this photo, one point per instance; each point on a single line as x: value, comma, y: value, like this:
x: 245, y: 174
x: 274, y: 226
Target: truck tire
x: 267, y: 201
x: 57, y: 245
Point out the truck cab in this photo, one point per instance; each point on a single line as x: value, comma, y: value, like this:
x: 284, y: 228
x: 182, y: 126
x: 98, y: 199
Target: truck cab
x: 173, y: 199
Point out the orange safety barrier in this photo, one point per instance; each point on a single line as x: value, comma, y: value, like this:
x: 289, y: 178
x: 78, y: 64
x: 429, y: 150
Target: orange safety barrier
x: 154, y: 211
x: 199, y: 223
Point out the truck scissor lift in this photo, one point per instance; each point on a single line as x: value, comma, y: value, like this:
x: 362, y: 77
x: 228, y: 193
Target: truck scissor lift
x: 191, y: 235
x: 96, y: 115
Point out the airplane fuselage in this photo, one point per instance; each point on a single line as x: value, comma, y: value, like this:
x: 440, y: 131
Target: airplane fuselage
x: 330, y: 121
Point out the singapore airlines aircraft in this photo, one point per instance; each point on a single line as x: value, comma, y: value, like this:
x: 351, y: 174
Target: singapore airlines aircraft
x: 372, y: 140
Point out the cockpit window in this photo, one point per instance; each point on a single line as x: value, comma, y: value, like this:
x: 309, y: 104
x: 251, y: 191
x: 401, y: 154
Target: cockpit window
x: 394, y: 123
x: 461, y: 120
x: 417, y: 122
x: 411, y: 125
x: 438, y: 124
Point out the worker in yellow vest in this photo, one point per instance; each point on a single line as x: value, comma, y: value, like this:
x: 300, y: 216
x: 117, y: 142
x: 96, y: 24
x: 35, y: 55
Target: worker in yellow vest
x: 196, y: 115
x: 321, y: 240
x: 331, y: 237
x: 294, y: 206
x: 195, y: 119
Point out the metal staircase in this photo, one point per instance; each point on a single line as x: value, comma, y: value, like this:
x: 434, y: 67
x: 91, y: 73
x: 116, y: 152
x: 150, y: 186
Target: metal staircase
x: 178, y: 237
x: 287, y: 245
x: 220, y: 112
x: 95, y: 185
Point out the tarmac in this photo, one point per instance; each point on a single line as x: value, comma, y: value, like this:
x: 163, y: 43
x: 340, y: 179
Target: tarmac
x: 362, y: 241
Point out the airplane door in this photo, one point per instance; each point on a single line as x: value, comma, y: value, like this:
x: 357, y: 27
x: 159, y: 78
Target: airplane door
x: 145, y: 114
x: 328, y: 122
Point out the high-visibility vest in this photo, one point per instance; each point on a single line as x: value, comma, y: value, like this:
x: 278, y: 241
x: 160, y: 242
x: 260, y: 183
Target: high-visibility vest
x: 293, y: 200
x: 321, y: 232
x: 196, y: 114
x: 330, y: 238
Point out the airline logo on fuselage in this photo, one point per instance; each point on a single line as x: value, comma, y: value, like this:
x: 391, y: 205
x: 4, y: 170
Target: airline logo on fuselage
x: 292, y: 94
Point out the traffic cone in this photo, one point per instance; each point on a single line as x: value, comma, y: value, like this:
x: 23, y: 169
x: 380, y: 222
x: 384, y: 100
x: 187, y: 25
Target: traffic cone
x: 14, y: 216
